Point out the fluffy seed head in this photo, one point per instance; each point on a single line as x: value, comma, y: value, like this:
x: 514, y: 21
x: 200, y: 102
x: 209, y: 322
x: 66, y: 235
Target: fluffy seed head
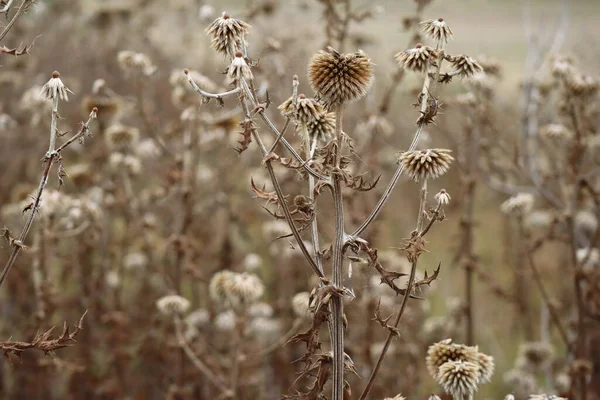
x: 520, y: 204
x: 340, y: 78
x: 172, y: 304
x: 444, y: 351
x: 464, y: 66
x: 300, y: 304
x: 486, y: 367
x: 425, y: 164
x: 244, y: 289
x: 458, y: 378
x: 323, y: 127
x: 55, y: 88
x: 218, y: 284
x: 557, y: 132
x: 437, y: 29
x: 227, y: 34
x: 239, y: 68
x: 418, y: 58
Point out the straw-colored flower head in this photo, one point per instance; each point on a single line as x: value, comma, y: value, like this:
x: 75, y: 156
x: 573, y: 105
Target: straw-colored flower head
x: 418, y: 58
x: 112, y: 279
x: 442, y: 197
x: 300, y: 304
x: 557, y: 132
x: 520, y: 204
x: 119, y: 161
x: 534, y: 356
x: 218, y: 284
x: 437, y: 29
x: 244, y: 289
x: 80, y: 174
x: 426, y: 164
x: 464, y: 66
x: 509, y: 396
x: 481, y: 82
x: 582, y: 85
x: 486, y: 367
x: 322, y: 127
x: 198, y: 318
x: 239, y: 68
x: 459, y: 378
x: 308, y: 109
x: 172, y: 304
x: 340, y: 78
x: 227, y: 34
x: 287, y: 107
x: 137, y: 63
x: 55, y: 88
x: 375, y: 125
x: 444, y: 351
x: 119, y: 137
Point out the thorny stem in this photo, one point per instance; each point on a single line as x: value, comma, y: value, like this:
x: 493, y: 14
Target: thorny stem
x: 337, y: 266
x: 314, y: 226
x: 53, y: 130
x: 18, y: 244
x: 428, y: 87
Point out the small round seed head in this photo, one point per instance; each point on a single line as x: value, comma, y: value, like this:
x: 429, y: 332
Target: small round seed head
x: 426, y: 164
x: 260, y: 310
x: 437, y: 29
x: 534, y: 356
x: 198, y: 318
x: 172, y: 304
x: 418, y: 58
x: 55, y: 88
x: 509, y: 397
x: 340, y: 78
x: 464, y: 66
x: 225, y: 321
x: 486, y: 367
x: 218, y: 284
x: 481, y: 82
x: 227, y: 34
x: 444, y: 351
x: 120, y: 137
x: 458, y: 378
x: 135, y: 63
x: 112, y: 279
x: 244, y: 289
x: 586, y: 221
x: 322, y: 126
x: 557, y: 132
x: 442, y: 197
x: 308, y: 110
x: 300, y: 304
x: 287, y: 107
x: 518, y: 205
x: 239, y: 68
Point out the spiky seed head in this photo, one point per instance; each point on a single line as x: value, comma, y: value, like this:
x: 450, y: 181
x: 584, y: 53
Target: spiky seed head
x: 135, y: 261
x: 458, y: 378
x: 340, y: 78
x: 442, y: 197
x: 55, y: 88
x: 227, y: 34
x: 322, y: 127
x: 308, y: 109
x: 486, y: 367
x: 464, y: 66
x: 119, y: 137
x: 287, y: 107
x: 426, y: 164
x: 437, y: 29
x: 444, y: 351
x: 218, y: 284
x: 518, y: 205
x: 172, y: 304
x: 557, y: 132
x: 300, y: 304
x: 135, y: 63
x: 418, y: 59
x: 244, y: 289
x: 239, y: 68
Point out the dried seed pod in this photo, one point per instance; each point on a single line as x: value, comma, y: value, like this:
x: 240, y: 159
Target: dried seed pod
x: 227, y: 34
x: 340, y: 78
x: 444, y: 351
x: 55, y: 88
x: 486, y: 367
x: 437, y: 29
x: 322, y: 127
x: 418, y: 58
x: 425, y: 164
x: 239, y: 68
x: 172, y: 304
x: 458, y: 378
x: 464, y: 66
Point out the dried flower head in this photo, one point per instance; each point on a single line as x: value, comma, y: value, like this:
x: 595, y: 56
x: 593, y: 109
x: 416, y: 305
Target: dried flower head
x: 425, y: 164
x: 561, y: 66
x: 520, y: 204
x: 534, y: 356
x: 442, y: 197
x: 218, y: 284
x: 582, y: 85
x: 464, y: 66
x: 172, y: 304
x: 556, y: 132
x: 444, y: 351
x: 437, y: 29
x: 308, y: 109
x: 486, y: 367
x: 225, y: 321
x: 198, y: 318
x: 375, y: 125
x: 322, y: 127
x: 244, y: 289
x: 260, y: 310
x: 300, y: 304
x: 239, y: 68
x: 340, y: 78
x: 137, y: 63
x: 459, y: 378
x: 55, y: 88
x: 227, y: 34
x: 119, y: 137
x: 418, y: 59
x: 586, y: 221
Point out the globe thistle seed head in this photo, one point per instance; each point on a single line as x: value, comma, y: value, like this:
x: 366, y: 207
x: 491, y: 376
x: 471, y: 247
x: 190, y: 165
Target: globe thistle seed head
x: 417, y: 59
x: 244, y: 289
x: 227, y: 34
x: 437, y: 29
x: 108, y: 105
x: 490, y: 65
x: 135, y: 63
x: 375, y: 125
x: 458, y: 378
x: 308, y: 110
x: 437, y: 327
x: 218, y: 284
x: 287, y: 107
x: 442, y: 197
x: 444, y: 351
x: 260, y: 310
x: 557, y: 132
x: 239, y: 68
x: 481, y: 82
x: 340, y: 78
x: 81, y: 174
x: 120, y: 137
x: 464, y: 66
x: 426, y: 164
x: 486, y: 367
x: 518, y: 205
x: 300, y: 304
x: 322, y: 127
x: 55, y: 88
x: 172, y: 304
x: 225, y: 321
x: 198, y: 318
x: 534, y: 356
x: 539, y: 219
x: 147, y: 149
